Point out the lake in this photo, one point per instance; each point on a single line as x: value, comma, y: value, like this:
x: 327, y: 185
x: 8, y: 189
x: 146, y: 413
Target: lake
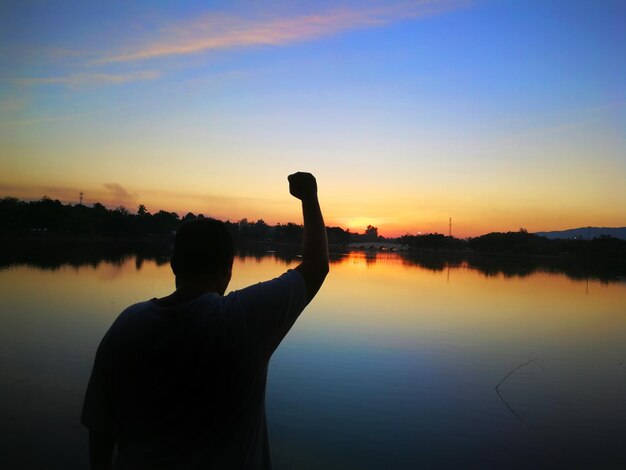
x: 398, y: 363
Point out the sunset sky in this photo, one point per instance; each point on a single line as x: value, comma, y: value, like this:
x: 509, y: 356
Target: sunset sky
x: 500, y: 114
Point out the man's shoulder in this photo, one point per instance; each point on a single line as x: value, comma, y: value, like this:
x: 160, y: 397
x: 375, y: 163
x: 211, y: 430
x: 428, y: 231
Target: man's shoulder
x: 135, y: 309
x: 136, y: 316
x: 290, y: 279
x: 289, y: 285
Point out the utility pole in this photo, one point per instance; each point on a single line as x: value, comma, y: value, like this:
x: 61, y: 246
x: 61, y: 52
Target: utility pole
x: 450, y: 227
x: 81, y: 199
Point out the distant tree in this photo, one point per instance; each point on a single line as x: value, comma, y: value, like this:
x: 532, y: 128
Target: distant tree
x: 9, y: 201
x: 165, y: 222
x: 142, y: 211
x: 288, y: 232
x: 429, y: 241
x: 188, y: 217
x: 371, y: 233
x: 513, y: 242
x: 260, y: 230
x: 11, y: 213
x: 337, y: 236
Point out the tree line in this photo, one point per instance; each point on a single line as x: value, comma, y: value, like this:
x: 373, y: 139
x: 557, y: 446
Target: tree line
x: 48, y: 215
x: 51, y: 215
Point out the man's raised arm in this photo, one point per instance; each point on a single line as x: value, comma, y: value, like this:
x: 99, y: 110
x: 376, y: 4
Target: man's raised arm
x: 314, y: 266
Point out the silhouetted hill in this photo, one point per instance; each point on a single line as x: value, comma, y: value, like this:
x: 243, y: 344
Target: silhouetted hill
x: 586, y: 233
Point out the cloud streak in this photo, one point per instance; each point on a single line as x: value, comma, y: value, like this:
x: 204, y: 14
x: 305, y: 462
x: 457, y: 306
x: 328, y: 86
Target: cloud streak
x: 218, y: 32
x: 81, y: 79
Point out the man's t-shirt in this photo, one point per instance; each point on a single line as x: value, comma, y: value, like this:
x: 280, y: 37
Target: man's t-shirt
x: 184, y: 386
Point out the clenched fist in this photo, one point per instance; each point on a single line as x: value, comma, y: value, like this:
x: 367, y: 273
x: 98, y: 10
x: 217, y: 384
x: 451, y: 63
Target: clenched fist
x: 302, y: 186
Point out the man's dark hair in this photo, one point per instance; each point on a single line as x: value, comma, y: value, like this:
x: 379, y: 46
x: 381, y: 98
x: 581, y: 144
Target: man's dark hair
x: 202, y: 247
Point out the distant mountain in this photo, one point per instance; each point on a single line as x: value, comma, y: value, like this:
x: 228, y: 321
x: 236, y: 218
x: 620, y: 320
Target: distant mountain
x: 586, y: 233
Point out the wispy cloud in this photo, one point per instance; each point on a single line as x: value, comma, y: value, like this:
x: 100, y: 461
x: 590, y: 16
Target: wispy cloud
x: 218, y: 31
x: 61, y: 52
x: 81, y: 79
x: 14, y: 108
x: 120, y: 195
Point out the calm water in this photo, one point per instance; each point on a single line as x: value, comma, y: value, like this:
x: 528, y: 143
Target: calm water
x: 394, y: 365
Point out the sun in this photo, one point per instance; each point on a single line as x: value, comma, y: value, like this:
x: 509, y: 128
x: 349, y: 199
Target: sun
x: 358, y: 224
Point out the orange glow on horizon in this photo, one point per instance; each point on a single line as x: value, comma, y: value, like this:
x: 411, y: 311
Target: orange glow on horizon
x: 285, y: 209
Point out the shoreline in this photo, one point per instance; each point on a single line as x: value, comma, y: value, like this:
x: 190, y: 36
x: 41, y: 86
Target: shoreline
x: 53, y: 249
x: 42, y: 237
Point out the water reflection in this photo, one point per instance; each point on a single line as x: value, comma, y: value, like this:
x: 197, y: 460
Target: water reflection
x: 395, y: 364
x: 84, y: 253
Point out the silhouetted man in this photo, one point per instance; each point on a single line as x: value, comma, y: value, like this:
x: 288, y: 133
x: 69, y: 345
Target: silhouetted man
x: 179, y: 382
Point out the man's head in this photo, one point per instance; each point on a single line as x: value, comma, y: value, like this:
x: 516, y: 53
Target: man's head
x: 203, y: 254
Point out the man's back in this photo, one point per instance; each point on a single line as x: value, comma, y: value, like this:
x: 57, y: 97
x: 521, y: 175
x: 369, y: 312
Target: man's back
x: 188, y: 382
